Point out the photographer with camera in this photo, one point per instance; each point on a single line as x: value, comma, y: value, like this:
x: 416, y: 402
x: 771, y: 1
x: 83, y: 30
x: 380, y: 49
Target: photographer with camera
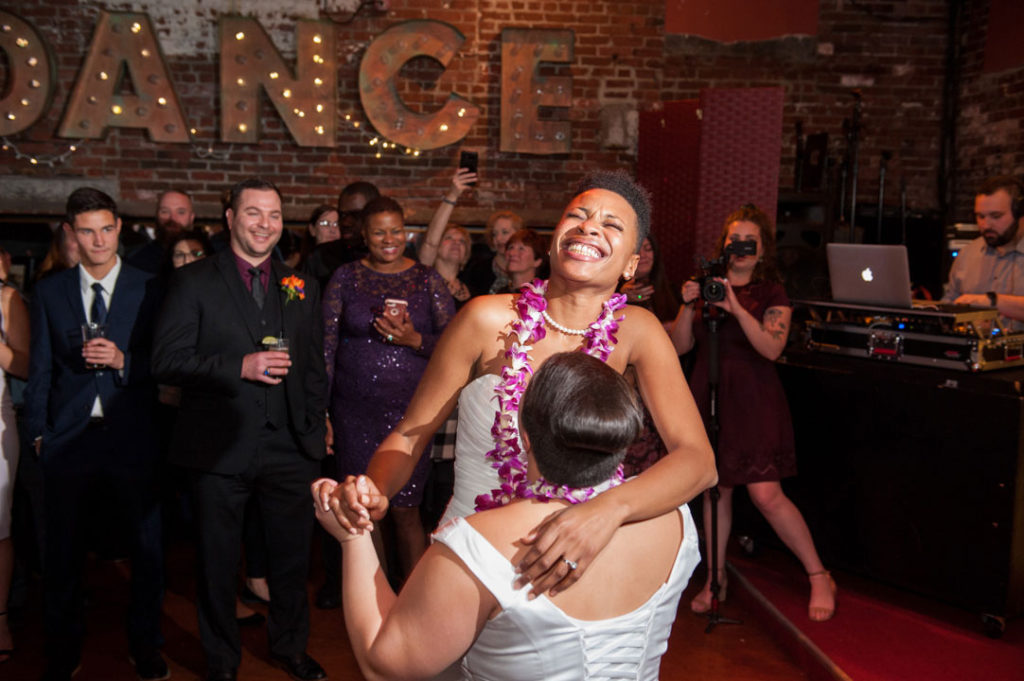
x: 742, y: 291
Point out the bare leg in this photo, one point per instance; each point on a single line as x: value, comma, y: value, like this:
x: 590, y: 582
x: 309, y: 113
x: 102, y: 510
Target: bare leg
x: 789, y: 524
x: 6, y: 570
x: 410, y: 537
x: 702, y: 601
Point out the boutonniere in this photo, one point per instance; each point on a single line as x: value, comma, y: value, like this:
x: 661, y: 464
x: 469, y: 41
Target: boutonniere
x: 294, y: 288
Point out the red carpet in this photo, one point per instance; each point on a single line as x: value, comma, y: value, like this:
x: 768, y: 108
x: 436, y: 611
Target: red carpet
x: 881, y: 635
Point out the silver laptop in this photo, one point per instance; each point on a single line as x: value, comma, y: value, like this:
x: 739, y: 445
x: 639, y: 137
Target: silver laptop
x: 869, y: 274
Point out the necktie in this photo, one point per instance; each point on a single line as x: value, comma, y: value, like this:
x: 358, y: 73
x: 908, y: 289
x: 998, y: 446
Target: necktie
x: 258, y: 294
x: 98, y: 314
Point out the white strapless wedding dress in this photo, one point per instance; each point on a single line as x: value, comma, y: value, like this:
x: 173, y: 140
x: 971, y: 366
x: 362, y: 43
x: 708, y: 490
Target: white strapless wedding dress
x: 473, y: 472
x: 534, y: 640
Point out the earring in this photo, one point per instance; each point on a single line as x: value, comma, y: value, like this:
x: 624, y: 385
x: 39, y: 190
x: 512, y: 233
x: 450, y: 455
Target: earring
x: 627, y: 277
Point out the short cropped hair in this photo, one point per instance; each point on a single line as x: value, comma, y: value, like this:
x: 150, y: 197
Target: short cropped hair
x: 579, y: 416
x: 621, y: 183
x: 161, y: 195
x: 235, y: 193
x: 382, y: 204
x: 367, y: 190
x: 1012, y: 186
x: 87, y: 200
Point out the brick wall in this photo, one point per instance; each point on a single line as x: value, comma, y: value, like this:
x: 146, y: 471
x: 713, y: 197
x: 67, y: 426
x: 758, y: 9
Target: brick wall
x: 894, y: 51
x: 990, y: 129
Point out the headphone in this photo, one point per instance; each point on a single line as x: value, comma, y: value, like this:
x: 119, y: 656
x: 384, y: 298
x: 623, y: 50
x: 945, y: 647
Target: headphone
x: 1017, y: 199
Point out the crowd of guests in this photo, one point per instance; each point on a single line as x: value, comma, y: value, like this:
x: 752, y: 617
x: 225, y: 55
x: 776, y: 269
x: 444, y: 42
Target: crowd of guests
x: 233, y: 363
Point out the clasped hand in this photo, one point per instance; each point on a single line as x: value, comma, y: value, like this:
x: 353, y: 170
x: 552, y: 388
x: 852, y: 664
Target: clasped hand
x: 575, y: 534
x: 103, y: 351
x: 349, y: 507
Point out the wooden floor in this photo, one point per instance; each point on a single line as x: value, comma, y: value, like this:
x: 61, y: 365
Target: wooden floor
x: 730, y: 652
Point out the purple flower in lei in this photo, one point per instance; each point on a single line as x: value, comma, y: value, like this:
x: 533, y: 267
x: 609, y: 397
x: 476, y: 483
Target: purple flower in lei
x: 507, y: 456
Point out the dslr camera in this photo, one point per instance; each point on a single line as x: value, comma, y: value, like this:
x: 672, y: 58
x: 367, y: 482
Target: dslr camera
x: 712, y: 290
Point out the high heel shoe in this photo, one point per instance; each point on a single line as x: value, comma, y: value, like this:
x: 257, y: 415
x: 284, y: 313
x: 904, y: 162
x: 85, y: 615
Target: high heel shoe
x: 818, y: 613
x: 701, y: 603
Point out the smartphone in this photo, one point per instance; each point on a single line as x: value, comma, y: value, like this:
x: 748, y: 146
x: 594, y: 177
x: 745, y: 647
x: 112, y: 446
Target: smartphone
x: 469, y: 159
x: 395, y: 307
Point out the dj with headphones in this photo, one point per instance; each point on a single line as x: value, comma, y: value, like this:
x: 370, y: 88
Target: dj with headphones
x: 989, y: 272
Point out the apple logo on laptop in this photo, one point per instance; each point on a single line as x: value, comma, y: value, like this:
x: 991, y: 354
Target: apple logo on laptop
x: 866, y: 274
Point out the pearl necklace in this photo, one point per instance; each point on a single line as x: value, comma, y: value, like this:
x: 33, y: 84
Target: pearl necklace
x: 598, y: 340
x: 564, y: 329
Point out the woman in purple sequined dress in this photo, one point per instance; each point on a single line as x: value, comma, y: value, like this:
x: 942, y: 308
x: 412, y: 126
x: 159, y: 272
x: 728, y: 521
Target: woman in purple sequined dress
x: 376, y: 352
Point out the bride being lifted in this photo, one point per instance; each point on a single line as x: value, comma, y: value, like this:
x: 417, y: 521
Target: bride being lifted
x: 487, y: 355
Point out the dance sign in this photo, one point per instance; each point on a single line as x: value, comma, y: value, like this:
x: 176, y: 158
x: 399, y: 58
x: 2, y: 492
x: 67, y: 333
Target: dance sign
x: 305, y: 96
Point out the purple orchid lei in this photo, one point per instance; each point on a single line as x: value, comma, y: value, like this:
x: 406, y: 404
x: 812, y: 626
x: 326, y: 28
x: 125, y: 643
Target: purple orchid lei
x: 507, y: 457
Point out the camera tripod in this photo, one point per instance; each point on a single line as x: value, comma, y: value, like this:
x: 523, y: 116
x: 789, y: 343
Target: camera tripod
x: 712, y: 317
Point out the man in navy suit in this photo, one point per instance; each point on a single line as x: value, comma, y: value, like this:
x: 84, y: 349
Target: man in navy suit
x: 252, y: 422
x: 88, y: 411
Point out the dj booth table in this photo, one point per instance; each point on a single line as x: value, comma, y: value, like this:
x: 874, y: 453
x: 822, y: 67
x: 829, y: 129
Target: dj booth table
x: 913, y: 475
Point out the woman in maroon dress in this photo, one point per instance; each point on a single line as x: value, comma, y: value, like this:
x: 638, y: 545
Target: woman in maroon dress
x: 755, y: 443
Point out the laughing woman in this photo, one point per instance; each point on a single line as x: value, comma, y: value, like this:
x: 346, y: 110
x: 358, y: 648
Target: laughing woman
x: 486, y: 358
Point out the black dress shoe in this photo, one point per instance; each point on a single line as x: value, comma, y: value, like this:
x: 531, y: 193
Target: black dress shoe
x: 253, y: 620
x: 221, y: 675
x: 301, y: 666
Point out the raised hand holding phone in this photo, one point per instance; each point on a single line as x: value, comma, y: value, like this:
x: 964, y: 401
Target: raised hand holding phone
x: 469, y: 161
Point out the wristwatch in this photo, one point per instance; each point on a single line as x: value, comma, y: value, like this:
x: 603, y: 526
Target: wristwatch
x: 993, y: 299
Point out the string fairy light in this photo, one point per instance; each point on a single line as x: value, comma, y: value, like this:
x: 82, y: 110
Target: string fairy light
x: 51, y: 160
x: 375, y: 141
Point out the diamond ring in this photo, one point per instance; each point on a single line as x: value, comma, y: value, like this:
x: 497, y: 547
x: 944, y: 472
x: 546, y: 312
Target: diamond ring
x: 570, y: 563
x: 390, y: 338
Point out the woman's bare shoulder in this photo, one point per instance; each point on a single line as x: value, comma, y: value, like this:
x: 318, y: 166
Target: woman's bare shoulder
x: 489, y: 313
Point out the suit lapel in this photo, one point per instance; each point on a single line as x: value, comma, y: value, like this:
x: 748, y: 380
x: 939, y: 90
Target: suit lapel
x: 73, y: 291
x: 289, y: 311
x: 123, y: 299
x: 241, y: 297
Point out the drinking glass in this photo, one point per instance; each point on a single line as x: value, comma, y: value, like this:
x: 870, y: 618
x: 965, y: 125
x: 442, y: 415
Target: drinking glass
x: 91, y: 330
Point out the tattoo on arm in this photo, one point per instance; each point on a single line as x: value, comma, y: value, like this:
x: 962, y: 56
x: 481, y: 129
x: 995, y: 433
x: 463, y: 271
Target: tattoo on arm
x: 773, y: 324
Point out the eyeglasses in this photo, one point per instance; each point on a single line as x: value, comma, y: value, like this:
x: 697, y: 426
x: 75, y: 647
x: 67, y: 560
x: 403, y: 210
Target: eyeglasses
x: 181, y: 255
x: 327, y: 223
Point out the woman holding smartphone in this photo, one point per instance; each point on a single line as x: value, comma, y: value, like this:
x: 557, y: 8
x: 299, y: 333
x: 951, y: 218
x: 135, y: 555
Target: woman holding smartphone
x: 383, y: 315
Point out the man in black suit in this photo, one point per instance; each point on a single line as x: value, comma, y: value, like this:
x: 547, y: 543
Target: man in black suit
x: 252, y: 422
x: 88, y: 410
